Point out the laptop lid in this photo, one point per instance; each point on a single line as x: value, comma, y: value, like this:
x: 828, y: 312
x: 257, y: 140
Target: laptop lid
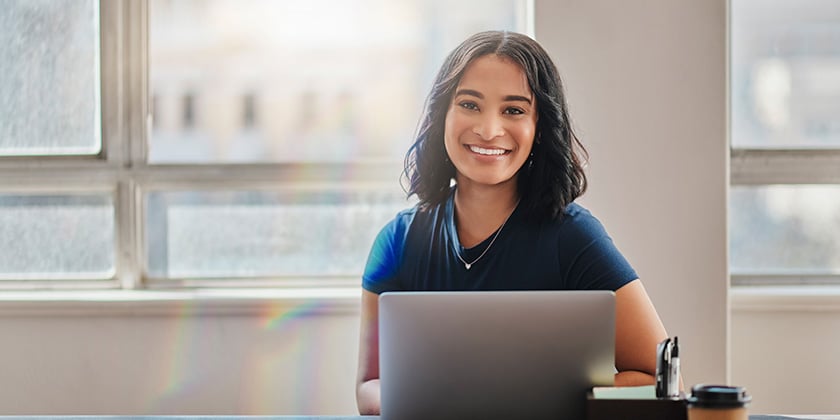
x: 493, y: 355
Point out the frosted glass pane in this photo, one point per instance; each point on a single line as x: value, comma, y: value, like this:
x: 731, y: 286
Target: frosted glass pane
x: 56, y: 237
x: 785, y: 229
x: 49, y: 89
x: 301, y: 81
x: 261, y: 233
x: 785, y: 73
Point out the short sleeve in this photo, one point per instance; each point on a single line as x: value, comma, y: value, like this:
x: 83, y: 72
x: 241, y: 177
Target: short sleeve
x: 592, y: 259
x: 385, y: 258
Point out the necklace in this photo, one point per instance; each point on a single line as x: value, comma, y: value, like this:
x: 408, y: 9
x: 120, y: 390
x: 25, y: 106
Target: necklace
x: 469, y: 265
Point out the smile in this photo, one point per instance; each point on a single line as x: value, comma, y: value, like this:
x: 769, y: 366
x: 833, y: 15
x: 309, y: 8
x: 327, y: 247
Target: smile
x: 488, y: 152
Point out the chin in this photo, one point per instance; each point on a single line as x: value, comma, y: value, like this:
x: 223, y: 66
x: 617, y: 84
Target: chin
x: 489, y: 180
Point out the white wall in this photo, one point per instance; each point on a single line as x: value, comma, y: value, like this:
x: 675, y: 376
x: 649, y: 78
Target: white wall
x: 646, y: 86
x: 179, y: 358
x: 785, y: 347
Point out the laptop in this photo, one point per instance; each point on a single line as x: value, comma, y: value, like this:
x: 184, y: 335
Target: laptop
x: 493, y: 355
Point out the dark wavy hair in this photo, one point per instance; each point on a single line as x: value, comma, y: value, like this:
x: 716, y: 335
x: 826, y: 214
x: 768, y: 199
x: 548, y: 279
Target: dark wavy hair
x: 546, y: 186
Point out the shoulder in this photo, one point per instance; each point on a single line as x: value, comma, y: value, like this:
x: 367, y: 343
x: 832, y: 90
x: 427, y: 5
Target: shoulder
x: 404, y: 218
x: 397, y: 227
x: 578, y: 221
x: 386, y: 254
x: 418, y: 220
x: 592, y: 258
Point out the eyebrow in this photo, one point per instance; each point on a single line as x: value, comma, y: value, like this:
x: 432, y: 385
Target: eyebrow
x: 478, y: 95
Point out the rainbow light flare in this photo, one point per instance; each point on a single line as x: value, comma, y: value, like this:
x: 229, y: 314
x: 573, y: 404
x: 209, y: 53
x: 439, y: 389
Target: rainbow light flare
x: 174, y: 355
x: 298, y: 347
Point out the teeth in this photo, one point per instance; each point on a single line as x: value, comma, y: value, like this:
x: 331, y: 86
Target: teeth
x: 489, y: 152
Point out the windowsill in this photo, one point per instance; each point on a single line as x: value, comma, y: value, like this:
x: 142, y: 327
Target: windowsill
x: 334, y: 300
x: 190, y: 302
x: 785, y: 298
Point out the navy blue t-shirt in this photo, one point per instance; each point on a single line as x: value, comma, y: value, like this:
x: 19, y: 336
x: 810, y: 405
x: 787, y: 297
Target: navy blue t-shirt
x: 416, y: 251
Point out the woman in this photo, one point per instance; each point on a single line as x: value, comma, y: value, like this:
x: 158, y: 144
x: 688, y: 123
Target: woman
x: 496, y: 123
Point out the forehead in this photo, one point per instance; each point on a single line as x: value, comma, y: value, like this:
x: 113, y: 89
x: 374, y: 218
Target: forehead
x: 495, y: 73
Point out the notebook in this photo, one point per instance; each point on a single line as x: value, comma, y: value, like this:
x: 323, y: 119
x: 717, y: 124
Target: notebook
x: 493, y: 355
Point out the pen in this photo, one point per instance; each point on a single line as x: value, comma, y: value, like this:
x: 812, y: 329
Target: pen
x: 663, y: 367
x: 674, y: 370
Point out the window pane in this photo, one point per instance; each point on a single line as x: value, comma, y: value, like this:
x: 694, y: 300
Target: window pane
x: 785, y: 229
x: 56, y: 237
x: 304, y: 81
x: 49, y: 92
x: 785, y: 73
x: 228, y: 234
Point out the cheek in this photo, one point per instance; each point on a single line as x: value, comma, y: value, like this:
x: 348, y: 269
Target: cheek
x: 452, y: 125
x: 526, y: 136
x: 449, y: 135
x: 451, y: 128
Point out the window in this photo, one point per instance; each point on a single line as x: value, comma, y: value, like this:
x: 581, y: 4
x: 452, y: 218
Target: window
x: 785, y: 141
x: 49, y: 93
x: 68, y: 236
x: 167, y: 144
x: 338, y: 81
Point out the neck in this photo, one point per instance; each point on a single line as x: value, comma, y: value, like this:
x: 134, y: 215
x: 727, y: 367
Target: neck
x: 480, y: 211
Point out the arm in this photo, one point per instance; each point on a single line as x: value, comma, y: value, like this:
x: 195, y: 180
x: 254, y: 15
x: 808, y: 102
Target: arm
x: 638, y: 330
x: 367, y: 380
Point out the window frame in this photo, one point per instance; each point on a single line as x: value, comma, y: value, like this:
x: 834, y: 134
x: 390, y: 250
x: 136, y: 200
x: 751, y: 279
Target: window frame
x: 759, y: 167
x: 146, y: 177
x: 788, y: 166
x: 99, y: 173
x: 750, y: 166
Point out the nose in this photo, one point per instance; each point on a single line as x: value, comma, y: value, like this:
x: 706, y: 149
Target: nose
x: 489, y: 127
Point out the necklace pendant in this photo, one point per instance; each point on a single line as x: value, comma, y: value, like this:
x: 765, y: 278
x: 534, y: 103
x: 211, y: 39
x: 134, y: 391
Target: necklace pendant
x: 492, y: 241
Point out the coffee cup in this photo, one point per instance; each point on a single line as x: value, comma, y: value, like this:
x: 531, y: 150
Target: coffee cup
x: 718, y: 402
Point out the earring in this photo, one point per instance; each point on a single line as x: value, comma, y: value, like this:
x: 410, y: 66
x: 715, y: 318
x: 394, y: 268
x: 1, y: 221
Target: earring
x: 530, y: 161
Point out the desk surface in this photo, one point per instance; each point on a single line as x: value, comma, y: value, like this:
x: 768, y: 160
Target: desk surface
x: 752, y: 417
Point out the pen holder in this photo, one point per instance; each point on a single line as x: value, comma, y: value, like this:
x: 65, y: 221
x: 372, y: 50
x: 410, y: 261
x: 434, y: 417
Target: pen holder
x: 668, y: 368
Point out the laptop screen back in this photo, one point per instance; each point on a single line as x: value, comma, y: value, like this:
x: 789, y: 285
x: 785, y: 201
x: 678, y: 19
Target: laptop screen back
x: 493, y: 355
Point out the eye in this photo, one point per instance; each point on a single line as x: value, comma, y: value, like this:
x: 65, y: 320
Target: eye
x: 514, y: 111
x: 468, y: 105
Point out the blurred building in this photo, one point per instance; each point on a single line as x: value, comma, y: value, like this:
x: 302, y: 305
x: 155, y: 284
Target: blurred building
x: 314, y: 81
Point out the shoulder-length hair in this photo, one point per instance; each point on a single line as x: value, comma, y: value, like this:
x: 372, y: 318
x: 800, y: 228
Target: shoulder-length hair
x: 552, y: 179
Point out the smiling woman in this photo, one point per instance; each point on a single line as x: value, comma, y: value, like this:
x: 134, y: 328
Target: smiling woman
x: 496, y: 124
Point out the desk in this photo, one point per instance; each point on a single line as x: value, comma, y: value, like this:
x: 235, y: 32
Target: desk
x: 797, y: 417
x: 816, y: 417
x: 752, y: 417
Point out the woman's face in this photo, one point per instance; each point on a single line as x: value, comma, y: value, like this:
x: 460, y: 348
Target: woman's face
x: 491, y: 122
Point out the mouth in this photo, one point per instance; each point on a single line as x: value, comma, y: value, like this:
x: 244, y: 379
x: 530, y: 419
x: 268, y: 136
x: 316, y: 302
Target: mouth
x: 487, y: 152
